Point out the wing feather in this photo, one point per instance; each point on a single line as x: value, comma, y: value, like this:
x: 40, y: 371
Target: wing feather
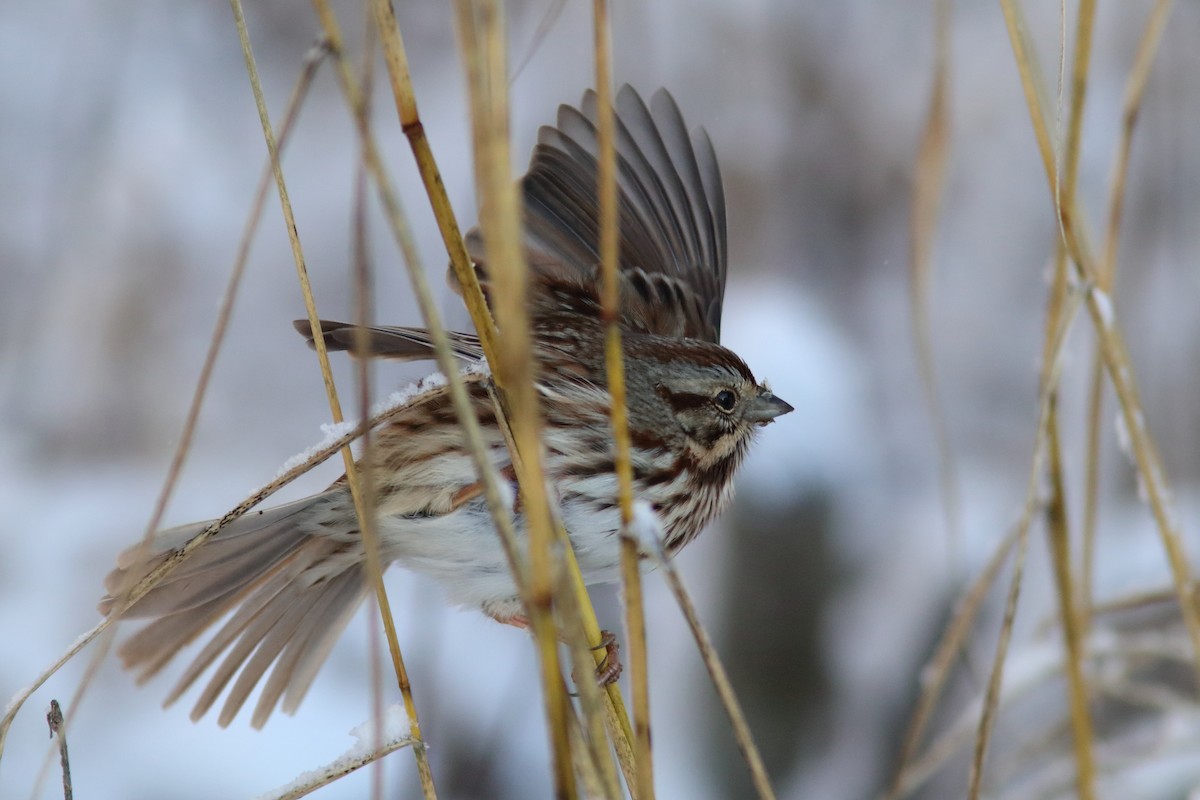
x: 671, y: 215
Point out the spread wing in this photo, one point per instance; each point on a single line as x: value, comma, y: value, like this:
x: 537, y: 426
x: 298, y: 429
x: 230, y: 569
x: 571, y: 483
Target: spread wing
x: 389, y: 341
x: 671, y: 215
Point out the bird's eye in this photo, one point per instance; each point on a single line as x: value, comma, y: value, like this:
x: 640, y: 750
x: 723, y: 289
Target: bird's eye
x: 725, y: 400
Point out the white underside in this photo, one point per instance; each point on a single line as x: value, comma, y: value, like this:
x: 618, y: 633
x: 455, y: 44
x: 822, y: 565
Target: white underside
x: 462, y: 550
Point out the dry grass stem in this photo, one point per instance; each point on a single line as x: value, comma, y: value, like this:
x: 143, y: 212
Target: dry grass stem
x: 1151, y: 473
x: 500, y: 221
x: 592, y: 699
x: 410, y: 123
x: 481, y: 317
x: 635, y: 620
x: 1135, y: 89
x: 311, y: 63
x: 929, y: 177
x: 935, y: 673
x: 1061, y: 311
x: 335, y: 771
x: 58, y: 728
x: 364, y: 512
x: 1052, y: 371
x: 719, y: 677
x: 1058, y: 529
x: 991, y: 699
x: 396, y: 61
x: 175, y: 558
x: 364, y: 314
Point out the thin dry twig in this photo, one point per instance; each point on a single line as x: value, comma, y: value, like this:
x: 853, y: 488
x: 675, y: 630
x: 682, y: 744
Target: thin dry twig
x: 500, y: 221
x: 1053, y: 369
x: 364, y: 513
x: 58, y: 728
x: 995, y: 681
x: 635, y: 620
x: 720, y: 679
x: 1112, y: 345
x: 312, y: 61
x: 410, y: 120
x: 1058, y: 529
x: 81, y: 690
x: 929, y: 178
x: 363, y: 315
x: 936, y: 672
x: 336, y: 770
x: 1135, y: 89
x: 176, y: 557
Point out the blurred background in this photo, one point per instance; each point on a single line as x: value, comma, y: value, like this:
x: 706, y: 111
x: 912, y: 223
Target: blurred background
x: 129, y: 153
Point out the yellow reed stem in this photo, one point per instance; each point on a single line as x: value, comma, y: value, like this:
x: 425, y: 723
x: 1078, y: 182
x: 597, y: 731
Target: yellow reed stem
x: 500, y: 218
x: 1112, y: 346
x: 299, y: 92
x: 619, y: 726
x: 410, y: 122
x: 365, y: 514
x: 937, y: 670
x: 720, y: 679
x: 1058, y: 530
x: 635, y: 620
x: 363, y: 317
x: 929, y: 177
x: 1051, y: 372
x: 592, y: 699
x: 1135, y: 89
x: 177, y: 557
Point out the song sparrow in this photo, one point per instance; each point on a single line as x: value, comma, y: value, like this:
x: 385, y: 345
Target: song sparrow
x: 294, y: 575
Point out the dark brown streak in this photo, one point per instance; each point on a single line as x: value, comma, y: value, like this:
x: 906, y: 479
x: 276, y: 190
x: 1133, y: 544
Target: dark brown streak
x: 684, y: 401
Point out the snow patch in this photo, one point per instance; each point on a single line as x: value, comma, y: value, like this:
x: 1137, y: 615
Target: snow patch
x: 396, y: 734
x: 332, y: 432
x: 1104, y: 306
x: 646, y: 528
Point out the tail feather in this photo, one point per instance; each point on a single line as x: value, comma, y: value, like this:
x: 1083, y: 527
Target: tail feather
x: 287, y: 624
x: 233, y: 628
x: 304, y: 638
x: 153, y: 647
x: 239, y: 553
x: 292, y: 588
x: 326, y: 628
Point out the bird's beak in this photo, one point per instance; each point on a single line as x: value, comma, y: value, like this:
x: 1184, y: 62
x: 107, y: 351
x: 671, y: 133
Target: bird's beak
x: 766, y: 407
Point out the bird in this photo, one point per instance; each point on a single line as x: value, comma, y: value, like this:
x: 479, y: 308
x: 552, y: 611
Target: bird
x: 288, y: 579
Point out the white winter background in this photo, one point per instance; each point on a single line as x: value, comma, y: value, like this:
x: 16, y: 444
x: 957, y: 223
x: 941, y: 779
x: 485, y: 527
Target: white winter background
x: 129, y: 151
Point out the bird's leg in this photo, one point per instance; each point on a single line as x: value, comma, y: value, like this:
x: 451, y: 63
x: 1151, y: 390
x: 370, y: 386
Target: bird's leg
x: 607, y: 671
x: 516, y: 620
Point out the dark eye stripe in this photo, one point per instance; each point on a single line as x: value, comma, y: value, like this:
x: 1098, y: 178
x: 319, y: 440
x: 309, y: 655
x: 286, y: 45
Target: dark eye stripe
x: 682, y: 401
